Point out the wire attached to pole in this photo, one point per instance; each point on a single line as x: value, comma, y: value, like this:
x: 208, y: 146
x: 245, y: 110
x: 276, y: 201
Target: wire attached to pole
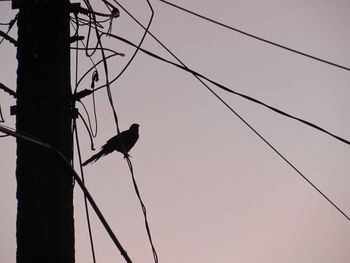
x: 75, y: 128
x: 76, y: 177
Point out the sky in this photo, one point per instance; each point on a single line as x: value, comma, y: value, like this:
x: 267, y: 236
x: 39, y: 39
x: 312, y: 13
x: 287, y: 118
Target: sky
x: 214, y: 191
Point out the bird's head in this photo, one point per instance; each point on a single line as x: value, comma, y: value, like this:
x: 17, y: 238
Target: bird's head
x: 134, y: 127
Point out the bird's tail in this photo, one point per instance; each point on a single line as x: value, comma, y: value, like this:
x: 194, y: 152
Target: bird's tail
x: 94, y: 158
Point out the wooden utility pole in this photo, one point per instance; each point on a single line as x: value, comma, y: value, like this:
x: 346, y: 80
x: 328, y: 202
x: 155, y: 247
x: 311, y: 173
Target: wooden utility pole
x: 45, y: 229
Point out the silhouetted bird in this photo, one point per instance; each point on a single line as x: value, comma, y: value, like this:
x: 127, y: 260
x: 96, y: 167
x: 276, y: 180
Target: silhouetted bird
x: 122, y: 142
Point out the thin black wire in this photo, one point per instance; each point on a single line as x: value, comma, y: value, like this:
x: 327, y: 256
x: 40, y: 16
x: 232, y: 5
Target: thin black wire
x: 76, y: 177
x: 96, y: 64
x: 88, y: 126
x: 139, y: 45
x: 92, y: 133
x: 89, y: 132
x: 91, y: 22
x: 108, y: 83
x: 144, y: 211
x: 281, y: 155
x: 8, y: 90
x: 1, y: 116
x: 75, y: 128
x: 105, y: 65
x: 104, y: 60
x: 185, y: 68
x: 155, y: 256
x: 6, y: 35
x: 94, y: 79
x: 256, y: 37
x: 87, y: 214
x: 76, y: 52
x: 85, y: 22
x: 100, y: 47
x: 197, y: 75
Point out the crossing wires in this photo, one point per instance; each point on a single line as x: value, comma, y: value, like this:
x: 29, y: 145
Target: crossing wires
x: 256, y: 37
x: 95, y: 25
x: 201, y: 77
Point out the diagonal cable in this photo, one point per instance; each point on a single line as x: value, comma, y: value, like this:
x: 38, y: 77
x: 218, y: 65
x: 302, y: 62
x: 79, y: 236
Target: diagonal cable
x: 256, y: 37
x: 66, y: 162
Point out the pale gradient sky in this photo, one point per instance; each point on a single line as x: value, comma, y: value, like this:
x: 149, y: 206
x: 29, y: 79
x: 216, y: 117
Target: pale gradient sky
x: 214, y: 191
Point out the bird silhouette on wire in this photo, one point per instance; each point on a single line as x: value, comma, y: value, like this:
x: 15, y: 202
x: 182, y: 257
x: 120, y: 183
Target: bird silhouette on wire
x: 123, y: 142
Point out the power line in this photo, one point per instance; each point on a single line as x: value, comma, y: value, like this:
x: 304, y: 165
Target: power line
x: 185, y: 68
x: 198, y: 76
x: 8, y: 90
x: 75, y: 130
x: 8, y: 38
x: 155, y: 256
x: 269, y: 144
x: 99, y: 214
x: 256, y: 37
x: 85, y: 198
x: 99, y: 46
x: 1, y: 116
x: 144, y: 211
x: 6, y: 35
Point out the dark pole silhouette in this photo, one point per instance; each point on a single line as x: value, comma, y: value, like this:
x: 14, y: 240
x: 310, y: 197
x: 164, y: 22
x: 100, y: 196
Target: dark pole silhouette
x: 45, y: 229
x: 122, y: 142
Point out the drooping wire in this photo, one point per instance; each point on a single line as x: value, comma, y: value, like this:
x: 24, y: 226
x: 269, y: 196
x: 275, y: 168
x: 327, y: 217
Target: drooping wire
x: 92, y: 132
x: 75, y: 129
x: 138, y: 47
x: 89, y: 131
x: 1, y: 116
x: 96, y: 64
x: 76, y: 177
x: 87, y: 214
x: 185, y: 68
x: 89, y: 30
x: 94, y: 79
x: 144, y: 211
x: 256, y: 37
x: 4, y: 24
x: 99, y: 46
x: 105, y: 65
x: 199, y: 76
x: 104, y: 60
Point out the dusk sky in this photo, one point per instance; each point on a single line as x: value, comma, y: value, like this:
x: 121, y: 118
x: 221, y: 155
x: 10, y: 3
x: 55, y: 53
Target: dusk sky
x: 214, y: 191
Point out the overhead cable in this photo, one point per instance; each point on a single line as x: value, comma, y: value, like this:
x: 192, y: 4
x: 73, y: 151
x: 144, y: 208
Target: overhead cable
x: 231, y: 91
x: 76, y: 177
x: 8, y: 90
x: 198, y: 76
x: 87, y: 214
x: 256, y: 37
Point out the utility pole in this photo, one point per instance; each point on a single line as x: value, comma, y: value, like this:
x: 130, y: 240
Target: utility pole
x: 45, y: 227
